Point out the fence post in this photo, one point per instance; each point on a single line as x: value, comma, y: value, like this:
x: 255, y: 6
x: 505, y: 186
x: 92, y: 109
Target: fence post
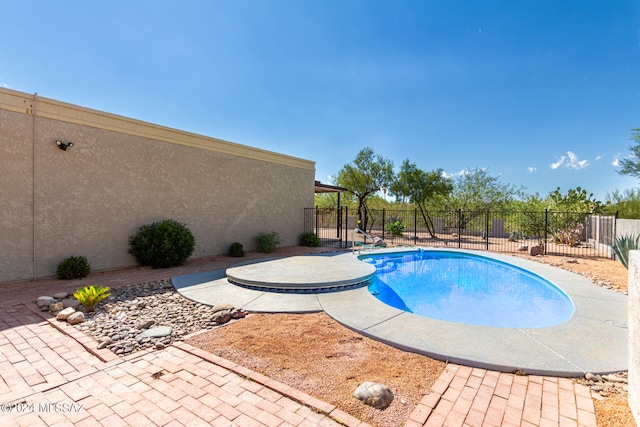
x: 615, y: 234
x: 487, y: 230
x: 415, y: 226
x: 346, y: 226
x: 546, y: 228
x: 459, y: 228
x: 316, y: 230
x: 384, y: 217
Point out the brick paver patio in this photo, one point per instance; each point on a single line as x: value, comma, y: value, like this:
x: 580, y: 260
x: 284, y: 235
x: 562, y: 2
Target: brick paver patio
x: 53, y: 375
x: 465, y: 396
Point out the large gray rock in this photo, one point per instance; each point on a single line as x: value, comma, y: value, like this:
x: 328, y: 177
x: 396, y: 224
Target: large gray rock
x: 70, y: 302
x: 222, y: 307
x: 157, y: 332
x: 44, y: 302
x: 373, y: 394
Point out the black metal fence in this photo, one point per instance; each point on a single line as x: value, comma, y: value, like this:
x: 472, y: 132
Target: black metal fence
x: 557, y: 233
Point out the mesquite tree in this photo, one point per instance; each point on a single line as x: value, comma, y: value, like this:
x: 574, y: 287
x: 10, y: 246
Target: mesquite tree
x: 421, y: 187
x: 366, y: 175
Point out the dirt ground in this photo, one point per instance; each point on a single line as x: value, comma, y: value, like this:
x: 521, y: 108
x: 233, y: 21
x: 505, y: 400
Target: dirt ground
x: 315, y: 354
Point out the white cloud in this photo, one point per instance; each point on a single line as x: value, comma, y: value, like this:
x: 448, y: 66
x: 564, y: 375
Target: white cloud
x: 616, y: 160
x: 459, y: 173
x: 598, y: 158
x: 531, y: 169
x: 574, y: 163
x: 557, y: 164
x: 570, y: 161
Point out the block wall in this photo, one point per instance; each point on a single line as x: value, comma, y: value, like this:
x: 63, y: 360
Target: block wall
x: 121, y: 174
x: 634, y: 334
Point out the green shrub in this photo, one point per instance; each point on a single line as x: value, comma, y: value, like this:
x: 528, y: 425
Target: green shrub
x: 162, y: 244
x: 74, y: 267
x: 90, y: 296
x: 236, y: 249
x: 309, y: 239
x: 396, y: 228
x: 623, y: 245
x: 267, y: 242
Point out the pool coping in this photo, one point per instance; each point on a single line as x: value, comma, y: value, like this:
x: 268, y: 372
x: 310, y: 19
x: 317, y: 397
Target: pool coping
x: 593, y: 340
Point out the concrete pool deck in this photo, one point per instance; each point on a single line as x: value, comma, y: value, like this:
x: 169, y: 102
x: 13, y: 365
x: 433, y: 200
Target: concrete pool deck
x: 593, y: 340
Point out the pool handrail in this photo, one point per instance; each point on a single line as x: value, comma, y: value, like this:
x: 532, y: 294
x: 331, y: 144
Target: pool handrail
x: 376, y: 242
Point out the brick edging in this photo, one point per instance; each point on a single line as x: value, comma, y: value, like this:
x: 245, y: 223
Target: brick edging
x: 298, y: 396
x: 423, y: 409
x: 89, y: 343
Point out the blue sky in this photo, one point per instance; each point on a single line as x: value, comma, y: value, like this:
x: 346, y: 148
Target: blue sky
x: 543, y: 93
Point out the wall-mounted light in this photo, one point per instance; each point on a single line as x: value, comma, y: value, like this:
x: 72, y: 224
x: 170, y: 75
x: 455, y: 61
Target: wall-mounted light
x: 64, y: 145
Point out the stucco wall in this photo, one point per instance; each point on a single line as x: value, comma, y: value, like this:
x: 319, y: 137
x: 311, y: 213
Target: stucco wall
x: 627, y: 227
x: 121, y: 174
x: 634, y: 334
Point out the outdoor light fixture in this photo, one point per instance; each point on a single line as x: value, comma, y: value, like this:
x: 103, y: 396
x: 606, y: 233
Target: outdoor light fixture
x: 64, y: 145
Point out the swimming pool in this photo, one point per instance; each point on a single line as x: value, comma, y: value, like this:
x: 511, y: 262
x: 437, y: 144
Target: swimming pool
x: 467, y: 288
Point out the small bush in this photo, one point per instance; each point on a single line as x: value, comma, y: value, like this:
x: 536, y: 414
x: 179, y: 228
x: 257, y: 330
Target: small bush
x: 267, y: 242
x: 90, y: 296
x: 623, y: 245
x: 309, y: 239
x: 571, y: 236
x: 396, y: 228
x: 236, y: 249
x: 74, y: 267
x: 162, y: 244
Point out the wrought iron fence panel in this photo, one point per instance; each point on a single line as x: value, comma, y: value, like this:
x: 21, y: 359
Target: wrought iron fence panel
x: 555, y: 233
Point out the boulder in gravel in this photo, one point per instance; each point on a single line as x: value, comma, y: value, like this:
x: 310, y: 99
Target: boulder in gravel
x: 615, y: 379
x: 146, y: 325
x: 238, y: 314
x: 222, y: 317
x: 44, y: 302
x: 373, y: 394
x: 157, y: 332
x: 75, y: 318
x: 536, y: 250
x: 104, y: 342
x: 64, y: 314
x: 222, y: 307
x: 56, y: 307
x: 70, y: 302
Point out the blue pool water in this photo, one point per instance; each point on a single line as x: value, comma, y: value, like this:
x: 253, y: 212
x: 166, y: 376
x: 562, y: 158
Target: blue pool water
x: 465, y: 288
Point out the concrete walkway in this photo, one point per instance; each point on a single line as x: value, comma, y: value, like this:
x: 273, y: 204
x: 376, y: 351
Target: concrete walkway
x: 53, y: 375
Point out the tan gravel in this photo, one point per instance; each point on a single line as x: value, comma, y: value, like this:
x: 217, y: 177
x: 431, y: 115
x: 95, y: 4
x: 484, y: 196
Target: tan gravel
x: 315, y: 354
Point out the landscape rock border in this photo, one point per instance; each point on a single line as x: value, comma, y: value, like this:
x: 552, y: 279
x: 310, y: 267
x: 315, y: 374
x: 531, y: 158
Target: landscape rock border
x: 148, y: 315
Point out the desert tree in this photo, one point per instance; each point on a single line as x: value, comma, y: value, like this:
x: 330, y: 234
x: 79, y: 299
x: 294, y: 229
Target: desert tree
x: 475, y: 191
x: 368, y: 174
x: 421, y: 187
x: 631, y: 165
